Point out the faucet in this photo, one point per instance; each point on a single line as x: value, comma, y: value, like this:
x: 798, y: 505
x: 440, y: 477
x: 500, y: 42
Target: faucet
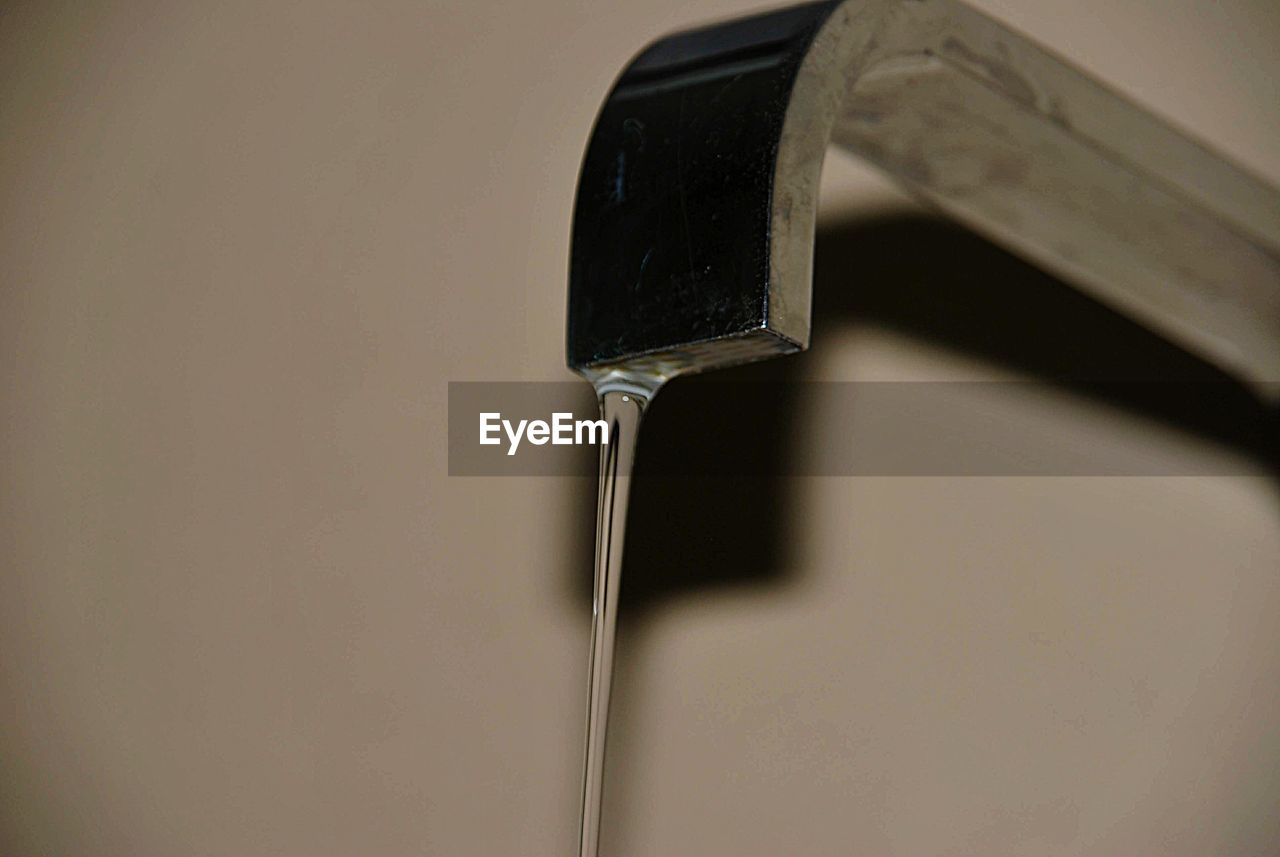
x: 694, y: 222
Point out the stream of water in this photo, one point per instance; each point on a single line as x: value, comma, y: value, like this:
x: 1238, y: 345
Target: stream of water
x: 622, y: 410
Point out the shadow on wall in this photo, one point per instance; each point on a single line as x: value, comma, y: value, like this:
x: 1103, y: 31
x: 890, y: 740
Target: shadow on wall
x: 914, y: 275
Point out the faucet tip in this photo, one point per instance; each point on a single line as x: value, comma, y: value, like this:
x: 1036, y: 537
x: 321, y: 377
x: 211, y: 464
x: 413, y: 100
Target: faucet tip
x: 672, y: 268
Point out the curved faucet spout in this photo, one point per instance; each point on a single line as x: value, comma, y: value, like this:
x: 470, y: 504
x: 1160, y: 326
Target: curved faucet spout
x: 694, y: 223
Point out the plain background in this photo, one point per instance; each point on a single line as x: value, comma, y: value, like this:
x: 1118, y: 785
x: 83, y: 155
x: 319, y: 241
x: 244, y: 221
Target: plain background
x: 244, y: 610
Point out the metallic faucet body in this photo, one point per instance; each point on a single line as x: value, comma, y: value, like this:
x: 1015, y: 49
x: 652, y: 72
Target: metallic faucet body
x: 694, y: 223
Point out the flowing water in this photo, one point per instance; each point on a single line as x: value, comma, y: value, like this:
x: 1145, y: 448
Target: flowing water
x: 622, y: 407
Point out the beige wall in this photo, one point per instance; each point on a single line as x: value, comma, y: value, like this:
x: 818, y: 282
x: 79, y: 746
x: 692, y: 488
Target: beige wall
x: 244, y: 610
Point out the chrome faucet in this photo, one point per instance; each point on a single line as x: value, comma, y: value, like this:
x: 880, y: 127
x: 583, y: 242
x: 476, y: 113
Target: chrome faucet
x: 694, y: 224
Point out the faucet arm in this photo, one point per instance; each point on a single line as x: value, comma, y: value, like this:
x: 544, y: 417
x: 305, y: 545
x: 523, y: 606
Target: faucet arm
x: 694, y: 224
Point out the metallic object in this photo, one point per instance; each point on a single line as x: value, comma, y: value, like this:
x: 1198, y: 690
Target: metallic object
x: 694, y: 224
